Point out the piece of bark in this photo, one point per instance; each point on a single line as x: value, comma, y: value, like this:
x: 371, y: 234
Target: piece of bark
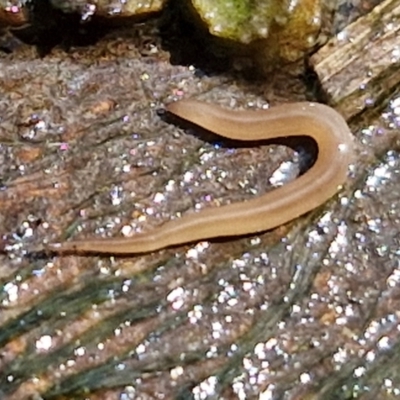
x: 359, y: 67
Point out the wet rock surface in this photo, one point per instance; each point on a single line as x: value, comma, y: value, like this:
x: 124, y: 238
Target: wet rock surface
x: 309, y: 310
x: 109, y: 8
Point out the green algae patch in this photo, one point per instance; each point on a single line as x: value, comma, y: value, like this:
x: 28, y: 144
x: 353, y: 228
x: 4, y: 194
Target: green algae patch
x: 281, y: 29
x: 238, y: 20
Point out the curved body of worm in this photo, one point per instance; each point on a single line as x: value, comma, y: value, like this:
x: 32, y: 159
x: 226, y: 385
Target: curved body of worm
x: 310, y: 190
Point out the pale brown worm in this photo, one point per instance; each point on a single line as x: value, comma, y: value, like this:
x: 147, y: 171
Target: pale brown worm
x: 310, y: 190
